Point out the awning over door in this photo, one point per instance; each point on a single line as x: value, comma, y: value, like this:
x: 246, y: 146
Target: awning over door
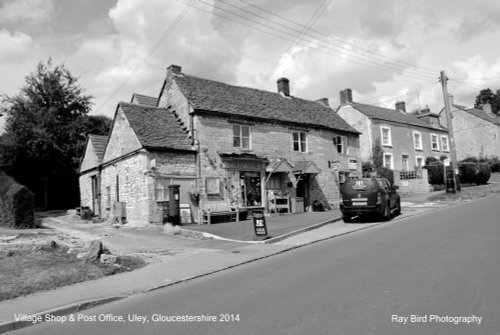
x: 280, y: 165
x: 303, y: 167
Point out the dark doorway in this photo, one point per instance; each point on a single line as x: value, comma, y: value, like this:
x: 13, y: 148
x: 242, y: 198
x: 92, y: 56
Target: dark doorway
x: 303, y: 188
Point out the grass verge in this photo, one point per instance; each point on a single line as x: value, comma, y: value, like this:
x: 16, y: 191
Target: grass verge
x: 29, y: 270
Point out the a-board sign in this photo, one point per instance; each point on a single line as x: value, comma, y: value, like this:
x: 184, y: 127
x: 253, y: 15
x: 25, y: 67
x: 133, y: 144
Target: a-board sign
x: 259, y: 224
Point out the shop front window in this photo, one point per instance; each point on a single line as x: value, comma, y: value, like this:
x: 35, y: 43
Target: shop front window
x: 251, y: 188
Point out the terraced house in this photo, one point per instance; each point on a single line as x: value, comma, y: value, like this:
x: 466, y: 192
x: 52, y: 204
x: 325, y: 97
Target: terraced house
x: 228, y: 147
x: 406, y: 139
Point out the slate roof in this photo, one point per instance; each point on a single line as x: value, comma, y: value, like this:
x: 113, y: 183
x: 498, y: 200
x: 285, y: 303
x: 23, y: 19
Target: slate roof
x: 99, y: 144
x: 215, y: 97
x: 144, y: 100
x: 386, y: 114
x: 156, y: 128
x: 480, y: 114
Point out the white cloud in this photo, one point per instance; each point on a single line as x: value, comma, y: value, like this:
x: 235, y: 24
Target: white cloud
x: 13, y: 46
x: 22, y: 10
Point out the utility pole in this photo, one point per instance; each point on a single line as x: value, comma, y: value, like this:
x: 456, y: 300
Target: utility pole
x: 454, y: 164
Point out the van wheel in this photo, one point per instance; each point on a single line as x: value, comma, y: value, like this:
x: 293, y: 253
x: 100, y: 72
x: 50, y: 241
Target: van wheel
x: 387, y: 213
x: 397, y: 211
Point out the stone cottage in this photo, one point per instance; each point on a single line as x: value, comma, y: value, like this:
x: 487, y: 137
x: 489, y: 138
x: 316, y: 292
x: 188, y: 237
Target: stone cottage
x: 227, y: 147
x: 406, y: 139
x: 476, y: 131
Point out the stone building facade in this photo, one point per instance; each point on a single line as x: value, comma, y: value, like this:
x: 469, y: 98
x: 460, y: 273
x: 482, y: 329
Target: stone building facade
x: 406, y: 139
x: 227, y: 147
x: 253, y: 145
x: 476, y: 131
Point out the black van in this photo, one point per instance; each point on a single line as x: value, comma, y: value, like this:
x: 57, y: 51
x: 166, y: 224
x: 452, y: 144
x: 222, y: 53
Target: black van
x: 369, y: 196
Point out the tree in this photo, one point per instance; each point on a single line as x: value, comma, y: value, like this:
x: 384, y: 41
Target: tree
x: 487, y: 96
x: 45, y: 133
x: 377, y: 154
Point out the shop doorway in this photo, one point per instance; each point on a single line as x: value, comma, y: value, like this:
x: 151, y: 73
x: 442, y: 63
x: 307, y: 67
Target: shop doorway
x: 251, y: 192
x: 303, y: 188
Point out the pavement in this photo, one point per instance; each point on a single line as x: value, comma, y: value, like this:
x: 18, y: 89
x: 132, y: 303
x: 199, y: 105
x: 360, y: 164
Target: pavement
x: 199, y: 250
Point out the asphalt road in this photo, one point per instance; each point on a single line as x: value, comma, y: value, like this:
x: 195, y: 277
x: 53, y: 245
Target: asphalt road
x: 437, y: 267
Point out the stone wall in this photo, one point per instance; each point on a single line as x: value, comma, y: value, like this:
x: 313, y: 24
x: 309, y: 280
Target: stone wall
x: 475, y: 136
x: 274, y: 141
x: 361, y: 123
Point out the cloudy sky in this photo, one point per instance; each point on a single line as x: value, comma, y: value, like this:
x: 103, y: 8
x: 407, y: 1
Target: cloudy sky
x: 384, y: 50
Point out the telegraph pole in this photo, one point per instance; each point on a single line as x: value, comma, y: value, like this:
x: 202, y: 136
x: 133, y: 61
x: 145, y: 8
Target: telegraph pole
x: 454, y: 164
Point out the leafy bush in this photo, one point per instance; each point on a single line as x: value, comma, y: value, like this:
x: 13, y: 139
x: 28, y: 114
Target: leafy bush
x: 467, y: 172
x: 435, y: 173
x: 483, y: 173
x: 494, y: 164
x: 368, y: 168
x: 474, y: 173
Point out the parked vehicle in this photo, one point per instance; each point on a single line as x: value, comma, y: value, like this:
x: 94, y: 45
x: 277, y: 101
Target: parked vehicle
x: 366, y: 196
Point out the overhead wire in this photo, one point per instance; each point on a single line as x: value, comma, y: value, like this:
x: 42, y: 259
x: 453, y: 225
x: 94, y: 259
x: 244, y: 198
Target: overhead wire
x: 286, y: 54
x: 369, y: 52
x: 149, y: 54
x: 326, y: 47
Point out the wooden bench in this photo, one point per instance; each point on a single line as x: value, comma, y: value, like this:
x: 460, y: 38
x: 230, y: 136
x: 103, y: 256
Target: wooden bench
x: 219, y: 208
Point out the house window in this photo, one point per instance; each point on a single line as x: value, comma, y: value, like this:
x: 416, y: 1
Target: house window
x: 434, y: 142
x: 388, y: 162
x: 108, y: 197
x: 340, y: 143
x: 444, y: 143
x: 161, y: 189
x: 419, y: 162
x: 417, y: 140
x: 299, y: 141
x: 241, y: 136
x: 405, y: 163
x: 385, y: 134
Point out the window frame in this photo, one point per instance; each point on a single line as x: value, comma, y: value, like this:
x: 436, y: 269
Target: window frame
x: 164, y: 190
x: 343, y: 144
x: 420, y: 147
x: 447, y: 149
x: 238, y: 135
x: 389, y: 135
x: 391, y: 161
x: 302, y: 145
x: 435, y: 142
x: 416, y: 161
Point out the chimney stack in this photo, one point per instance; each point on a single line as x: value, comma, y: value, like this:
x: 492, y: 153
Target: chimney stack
x: 284, y: 86
x: 345, y: 97
x: 324, y: 102
x: 174, y: 69
x: 401, y: 106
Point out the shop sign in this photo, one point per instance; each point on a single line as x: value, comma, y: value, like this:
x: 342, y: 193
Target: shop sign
x: 259, y: 224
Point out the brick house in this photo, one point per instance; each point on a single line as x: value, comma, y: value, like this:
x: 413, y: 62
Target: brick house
x: 476, y: 131
x: 406, y: 139
x: 225, y: 145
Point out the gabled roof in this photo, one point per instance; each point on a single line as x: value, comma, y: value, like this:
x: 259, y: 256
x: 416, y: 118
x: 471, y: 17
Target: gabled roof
x: 480, y: 114
x: 215, y: 97
x: 144, y: 100
x: 156, y: 128
x: 99, y: 144
x: 305, y: 167
x: 386, y: 114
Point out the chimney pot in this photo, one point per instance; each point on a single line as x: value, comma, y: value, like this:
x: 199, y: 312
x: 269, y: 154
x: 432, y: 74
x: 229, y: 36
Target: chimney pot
x: 174, y: 69
x: 345, y: 96
x: 401, y: 106
x: 284, y: 86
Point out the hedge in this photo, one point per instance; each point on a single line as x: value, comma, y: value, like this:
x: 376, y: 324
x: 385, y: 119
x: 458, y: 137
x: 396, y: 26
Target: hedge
x: 474, y: 173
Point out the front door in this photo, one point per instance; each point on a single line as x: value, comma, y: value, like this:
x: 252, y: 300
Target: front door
x: 96, y: 196
x: 303, y: 189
